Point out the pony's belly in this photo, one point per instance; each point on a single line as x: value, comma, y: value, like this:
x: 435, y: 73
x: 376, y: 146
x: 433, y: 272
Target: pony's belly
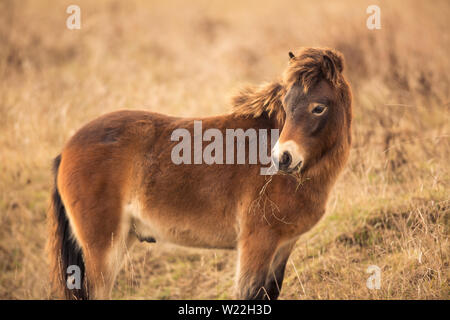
x: 170, y: 227
x: 184, y: 236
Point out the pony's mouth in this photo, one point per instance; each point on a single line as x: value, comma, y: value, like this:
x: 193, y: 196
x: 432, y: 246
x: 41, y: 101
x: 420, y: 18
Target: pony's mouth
x: 297, y: 168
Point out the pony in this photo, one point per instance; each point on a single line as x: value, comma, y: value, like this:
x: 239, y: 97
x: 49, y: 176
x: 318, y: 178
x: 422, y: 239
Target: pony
x: 115, y: 183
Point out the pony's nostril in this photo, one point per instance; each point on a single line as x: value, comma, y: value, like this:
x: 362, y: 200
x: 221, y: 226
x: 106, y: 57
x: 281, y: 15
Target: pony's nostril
x: 285, y: 160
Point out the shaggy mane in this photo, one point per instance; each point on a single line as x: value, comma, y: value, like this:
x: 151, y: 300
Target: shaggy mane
x: 265, y: 100
x: 307, y: 68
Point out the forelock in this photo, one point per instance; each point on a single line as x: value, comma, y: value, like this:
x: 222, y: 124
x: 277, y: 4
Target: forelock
x: 311, y: 65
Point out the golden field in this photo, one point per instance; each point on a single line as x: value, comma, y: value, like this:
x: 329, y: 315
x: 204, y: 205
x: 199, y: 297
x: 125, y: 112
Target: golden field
x: 390, y: 207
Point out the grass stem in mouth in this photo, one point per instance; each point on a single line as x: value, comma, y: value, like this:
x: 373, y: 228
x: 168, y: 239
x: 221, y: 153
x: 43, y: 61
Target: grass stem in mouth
x: 296, y: 174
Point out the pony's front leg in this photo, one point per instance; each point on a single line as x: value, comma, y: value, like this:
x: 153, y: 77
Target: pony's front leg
x: 275, y: 277
x: 255, y: 255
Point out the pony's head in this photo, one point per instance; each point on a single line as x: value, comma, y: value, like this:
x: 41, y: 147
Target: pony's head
x: 317, y: 109
x: 311, y: 106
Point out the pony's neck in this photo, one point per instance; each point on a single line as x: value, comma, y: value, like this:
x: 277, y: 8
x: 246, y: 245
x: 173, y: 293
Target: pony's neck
x: 322, y: 174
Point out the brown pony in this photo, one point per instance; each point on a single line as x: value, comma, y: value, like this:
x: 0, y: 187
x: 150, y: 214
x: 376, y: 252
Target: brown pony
x: 115, y: 182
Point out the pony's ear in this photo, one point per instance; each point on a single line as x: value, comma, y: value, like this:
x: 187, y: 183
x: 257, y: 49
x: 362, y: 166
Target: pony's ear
x: 336, y: 59
x: 333, y: 64
x: 329, y: 68
x: 291, y: 55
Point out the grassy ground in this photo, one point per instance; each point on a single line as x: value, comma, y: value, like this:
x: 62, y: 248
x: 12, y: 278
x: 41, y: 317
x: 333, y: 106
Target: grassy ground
x: 390, y: 207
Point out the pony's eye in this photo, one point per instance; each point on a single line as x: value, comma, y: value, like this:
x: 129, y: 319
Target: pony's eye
x: 318, y: 110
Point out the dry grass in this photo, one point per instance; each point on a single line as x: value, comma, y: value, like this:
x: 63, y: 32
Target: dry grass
x: 390, y: 208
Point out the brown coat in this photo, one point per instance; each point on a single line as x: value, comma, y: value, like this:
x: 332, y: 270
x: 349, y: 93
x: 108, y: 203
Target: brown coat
x: 115, y: 181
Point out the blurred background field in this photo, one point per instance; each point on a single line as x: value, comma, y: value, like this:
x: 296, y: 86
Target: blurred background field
x: 390, y: 207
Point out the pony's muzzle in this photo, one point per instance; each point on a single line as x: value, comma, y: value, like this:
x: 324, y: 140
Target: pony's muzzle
x: 286, y: 157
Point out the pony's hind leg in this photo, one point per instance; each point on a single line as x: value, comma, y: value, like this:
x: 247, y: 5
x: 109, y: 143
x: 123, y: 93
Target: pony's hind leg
x: 104, y: 235
x: 103, y: 262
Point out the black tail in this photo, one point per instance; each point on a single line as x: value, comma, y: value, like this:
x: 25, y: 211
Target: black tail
x: 62, y: 247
